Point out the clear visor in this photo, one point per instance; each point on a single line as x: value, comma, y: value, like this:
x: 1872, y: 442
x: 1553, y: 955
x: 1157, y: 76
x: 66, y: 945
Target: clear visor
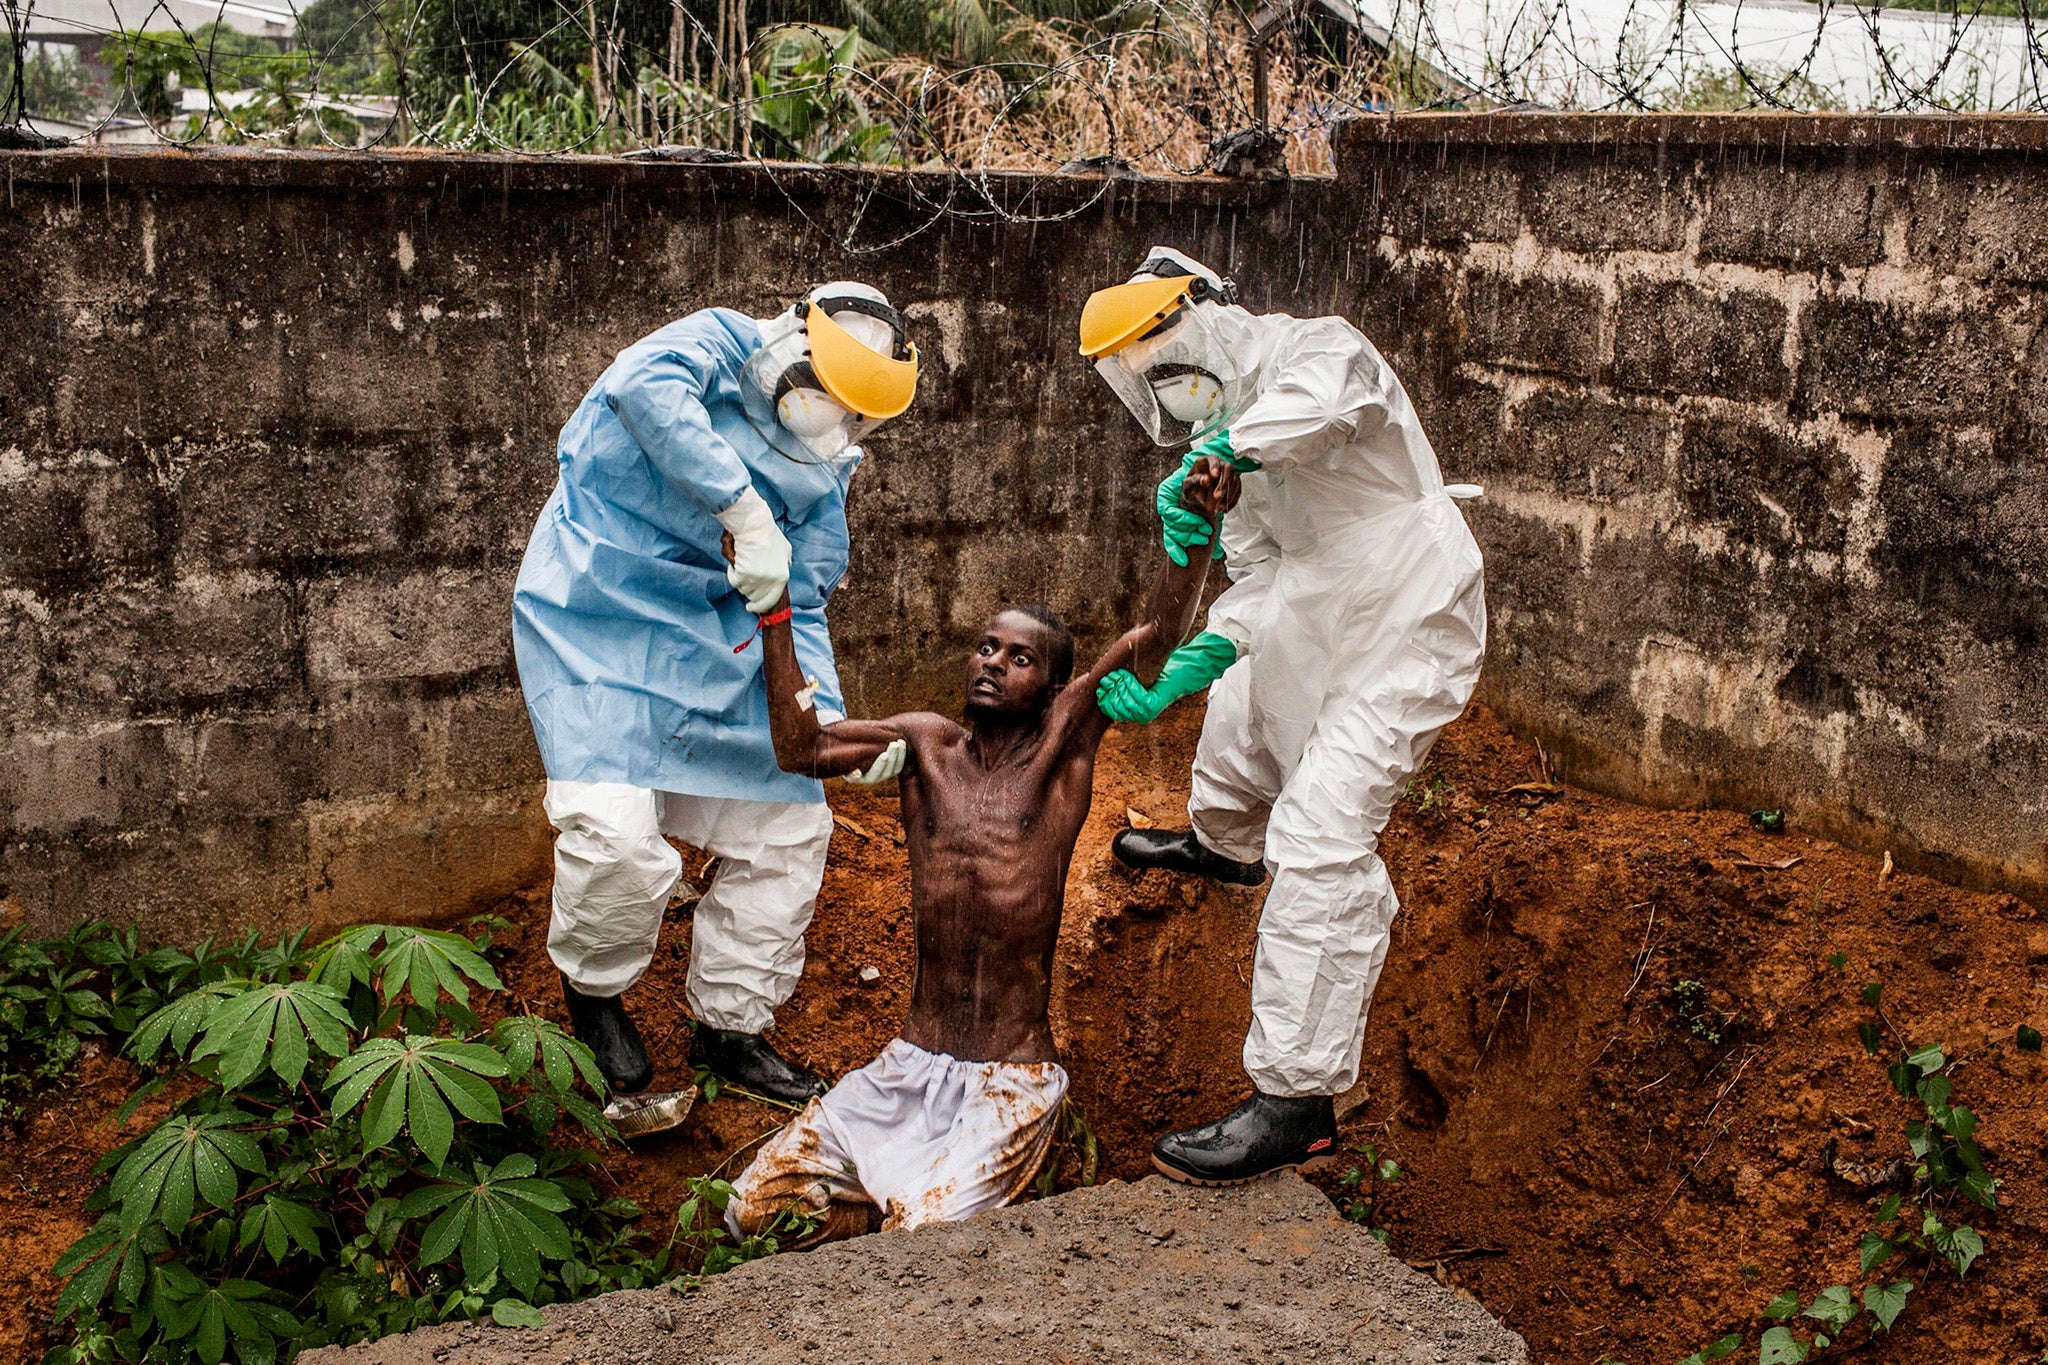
x: 1179, y: 382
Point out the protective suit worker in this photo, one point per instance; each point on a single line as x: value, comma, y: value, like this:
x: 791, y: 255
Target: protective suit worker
x: 1352, y: 633
x: 632, y: 632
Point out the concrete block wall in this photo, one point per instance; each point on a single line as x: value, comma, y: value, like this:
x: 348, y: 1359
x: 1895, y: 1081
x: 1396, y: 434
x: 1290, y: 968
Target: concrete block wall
x: 1761, y: 403
x: 274, y: 429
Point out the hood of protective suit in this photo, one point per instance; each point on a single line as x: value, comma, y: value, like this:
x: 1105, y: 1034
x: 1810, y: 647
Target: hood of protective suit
x: 1183, y: 363
x: 831, y: 368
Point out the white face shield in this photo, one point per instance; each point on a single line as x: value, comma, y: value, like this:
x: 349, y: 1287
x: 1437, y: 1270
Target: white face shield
x: 784, y: 373
x: 1184, y: 380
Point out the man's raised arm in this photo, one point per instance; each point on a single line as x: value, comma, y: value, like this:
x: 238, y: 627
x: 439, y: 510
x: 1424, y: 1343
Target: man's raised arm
x: 1210, y: 488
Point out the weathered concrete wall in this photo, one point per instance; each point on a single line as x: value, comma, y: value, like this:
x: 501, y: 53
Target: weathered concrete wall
x: 274, y: 429
x: 1761, y: 405
x: 1759, y: 402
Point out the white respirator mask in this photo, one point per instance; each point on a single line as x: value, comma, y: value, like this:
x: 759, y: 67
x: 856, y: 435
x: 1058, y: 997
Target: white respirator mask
x: 1164, y: 343
x: 833, y: 367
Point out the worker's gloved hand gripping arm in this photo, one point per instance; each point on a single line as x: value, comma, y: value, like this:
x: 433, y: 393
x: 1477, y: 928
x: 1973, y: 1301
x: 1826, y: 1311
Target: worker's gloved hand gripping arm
x: 1189, y: 669
x: 1185, y: 528
x: 1200, y: 661
x: 1196, y: 664
x: 861, y: 751
x: 659, y: 401
x: 760, y: 559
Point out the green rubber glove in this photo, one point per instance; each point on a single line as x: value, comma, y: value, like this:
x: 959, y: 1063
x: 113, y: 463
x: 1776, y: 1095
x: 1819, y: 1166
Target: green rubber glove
x: 1218, y: 444
x: 1182, y: 529
x: 1189, y: 669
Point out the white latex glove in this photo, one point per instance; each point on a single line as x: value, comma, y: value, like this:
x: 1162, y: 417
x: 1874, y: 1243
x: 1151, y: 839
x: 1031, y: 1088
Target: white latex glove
x: 760, y: 552
x: 887, y: 764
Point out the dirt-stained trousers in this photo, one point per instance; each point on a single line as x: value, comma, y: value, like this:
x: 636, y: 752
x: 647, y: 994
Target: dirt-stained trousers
x: 1324, y: 930
x: 614, y: 874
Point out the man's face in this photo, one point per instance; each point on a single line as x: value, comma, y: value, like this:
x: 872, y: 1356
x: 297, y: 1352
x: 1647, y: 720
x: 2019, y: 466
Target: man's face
x: 1008, y: 674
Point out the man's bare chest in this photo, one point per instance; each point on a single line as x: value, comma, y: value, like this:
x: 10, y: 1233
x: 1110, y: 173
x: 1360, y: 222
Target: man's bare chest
x: 1016, y: 806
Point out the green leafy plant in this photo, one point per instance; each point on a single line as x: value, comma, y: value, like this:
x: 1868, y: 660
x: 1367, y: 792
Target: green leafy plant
x: 355, y: 1154
x: 807, y: 104
x: 1919, y: 1229
x: 1430, y: 791
x: 1075, y: 1146
x: 95, y: 982
x: 1718, y: 1350
x: 1691, y: 998
x: 1363, y: 1186
x: 700, y: 1225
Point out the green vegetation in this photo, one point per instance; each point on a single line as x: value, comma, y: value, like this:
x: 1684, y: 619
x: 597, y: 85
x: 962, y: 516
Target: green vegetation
x: 2009, y: 9
x: 255, y: 90
x: 1693, y: 1008
x: 1074, y: 1144
x: 53, y: 81
x: 1430, y: 792
x: 1363, y: 1184
x: 1759, y: 87
x: 57, y: 994
x: 1918, y: 1232
x: 351, y: 1152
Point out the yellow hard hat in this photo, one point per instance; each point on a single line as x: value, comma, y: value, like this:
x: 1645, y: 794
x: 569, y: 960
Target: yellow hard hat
x: 859, y: 379
x: 1115, y: 317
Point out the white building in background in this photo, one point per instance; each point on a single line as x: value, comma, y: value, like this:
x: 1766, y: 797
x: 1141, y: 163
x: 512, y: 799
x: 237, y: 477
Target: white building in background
x: 84, y: 24
x: 1622, y: 54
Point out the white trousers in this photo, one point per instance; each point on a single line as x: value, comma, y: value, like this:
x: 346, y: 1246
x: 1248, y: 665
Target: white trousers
x: 614, y: 873
x: 924, y: 1137
x: 1324, y: 930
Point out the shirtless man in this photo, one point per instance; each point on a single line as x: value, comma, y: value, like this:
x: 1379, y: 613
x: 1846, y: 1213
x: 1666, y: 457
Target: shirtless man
x: 958, y: 1113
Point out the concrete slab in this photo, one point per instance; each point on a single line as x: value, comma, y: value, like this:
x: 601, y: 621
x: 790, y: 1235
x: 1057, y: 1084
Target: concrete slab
x: 1143, y: 1272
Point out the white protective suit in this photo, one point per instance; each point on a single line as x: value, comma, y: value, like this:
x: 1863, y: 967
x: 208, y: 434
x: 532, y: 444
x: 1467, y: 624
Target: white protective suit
x: 1357, y: 604
x: 614, y: 873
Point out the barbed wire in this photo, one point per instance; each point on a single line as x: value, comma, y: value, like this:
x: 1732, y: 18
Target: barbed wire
x: 1115, y: 88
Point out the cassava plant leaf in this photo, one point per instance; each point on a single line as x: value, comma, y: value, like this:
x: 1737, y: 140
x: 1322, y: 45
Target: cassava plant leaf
x: 279, y: 1224
x: 268, y: 1028
x: 344, y: 960
x: 425, y: 963
x: 503, y: 1221
x: 179, y: 1022
x: 183, y: 1159
x: 528, y: 1040
x: 411, y: 1082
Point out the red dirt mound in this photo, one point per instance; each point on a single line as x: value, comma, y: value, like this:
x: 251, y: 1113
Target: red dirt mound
x: 1609, y: 1050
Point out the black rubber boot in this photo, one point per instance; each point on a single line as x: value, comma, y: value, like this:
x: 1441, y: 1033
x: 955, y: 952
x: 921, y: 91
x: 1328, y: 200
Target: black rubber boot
x: 1264, y: 1134
x: 1178, y: 850
x: 602, y: 1025
x: 745, y: 1060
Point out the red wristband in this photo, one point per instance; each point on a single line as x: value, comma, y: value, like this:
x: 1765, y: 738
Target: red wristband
x: 773, y: 618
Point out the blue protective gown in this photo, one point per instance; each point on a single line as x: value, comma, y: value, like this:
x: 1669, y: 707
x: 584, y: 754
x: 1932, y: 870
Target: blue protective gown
x: 623, y: 623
